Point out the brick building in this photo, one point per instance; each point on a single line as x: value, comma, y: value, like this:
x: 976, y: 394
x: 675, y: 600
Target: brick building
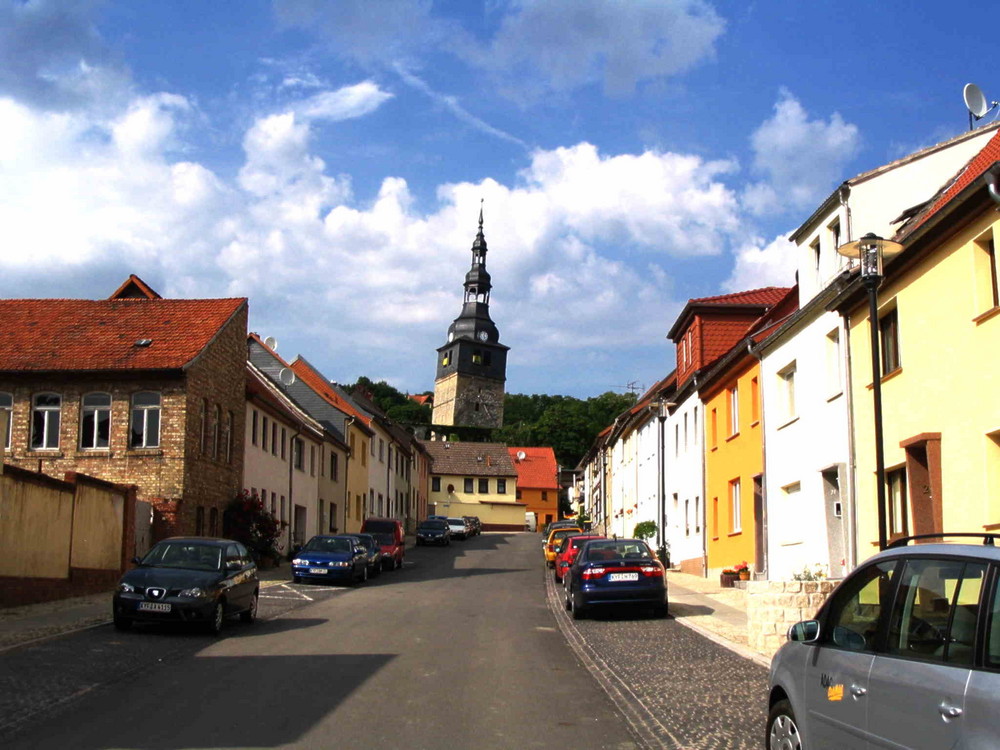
x: 134, y: 389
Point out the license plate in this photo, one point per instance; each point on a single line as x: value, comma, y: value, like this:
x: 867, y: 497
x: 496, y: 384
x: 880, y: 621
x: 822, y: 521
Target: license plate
x: 317, y: 571
x: 153, y: 607
x: 623, y: 576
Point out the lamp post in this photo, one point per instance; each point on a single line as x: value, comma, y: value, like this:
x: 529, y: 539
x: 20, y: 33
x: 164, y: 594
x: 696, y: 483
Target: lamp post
x: 870, y: 250
x: 662, y: 406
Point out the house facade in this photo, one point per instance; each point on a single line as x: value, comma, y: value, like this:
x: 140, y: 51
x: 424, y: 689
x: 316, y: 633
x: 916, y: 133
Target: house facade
x: 134, y: 389
x: 475, y: 479
x: 537, y: 482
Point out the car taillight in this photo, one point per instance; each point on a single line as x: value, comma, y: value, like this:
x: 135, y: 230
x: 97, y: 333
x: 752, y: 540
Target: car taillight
x: 591, y: 573
x: 652, y: 571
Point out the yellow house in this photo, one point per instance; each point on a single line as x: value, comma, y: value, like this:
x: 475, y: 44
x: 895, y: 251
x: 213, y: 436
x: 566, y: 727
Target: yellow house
x: 475, y: 479
x: 734, y: 449
x: 939, y: 320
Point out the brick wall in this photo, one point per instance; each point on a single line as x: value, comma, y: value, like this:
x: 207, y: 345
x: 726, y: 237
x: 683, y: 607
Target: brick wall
x: 774, y: 606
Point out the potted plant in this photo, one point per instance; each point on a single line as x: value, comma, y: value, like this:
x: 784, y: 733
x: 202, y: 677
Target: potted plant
x: 727, y: 577
x: 743, y: 568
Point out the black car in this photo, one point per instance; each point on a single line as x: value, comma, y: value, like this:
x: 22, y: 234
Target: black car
x: 374, y: 553
x: 434, y: 531
x: 196, y: 580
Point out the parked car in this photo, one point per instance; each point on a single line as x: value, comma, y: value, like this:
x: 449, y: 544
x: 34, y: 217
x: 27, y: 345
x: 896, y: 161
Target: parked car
x: 552, y: 542
x: 613, y: 573
x: 567, y: 551
x: 475, y: 525
x: 904, y: 653
x: 459, y: 528
x: 198, y: 580
x: 434, y: 531
x: 374, y: 552
x: 389, y: 533
x: 334, y: 558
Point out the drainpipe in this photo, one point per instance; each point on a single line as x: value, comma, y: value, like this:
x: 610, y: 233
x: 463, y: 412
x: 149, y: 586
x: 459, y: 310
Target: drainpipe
x: 348, y: 423
x: 852, y: 464
x: 755, y: 353
x: 990, y: 178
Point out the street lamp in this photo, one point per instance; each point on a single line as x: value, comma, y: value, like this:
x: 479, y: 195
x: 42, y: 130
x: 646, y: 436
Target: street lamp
x: 870, y: 250
x: 662, y: 407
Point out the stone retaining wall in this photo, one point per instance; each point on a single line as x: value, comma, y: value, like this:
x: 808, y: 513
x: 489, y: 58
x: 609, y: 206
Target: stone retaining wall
x: 774, y: 606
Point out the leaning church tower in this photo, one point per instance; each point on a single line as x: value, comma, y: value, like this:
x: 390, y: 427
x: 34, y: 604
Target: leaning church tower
x: 472, y: 366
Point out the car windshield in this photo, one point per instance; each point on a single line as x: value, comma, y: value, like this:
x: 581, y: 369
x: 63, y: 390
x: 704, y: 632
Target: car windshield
x: 184, y: 555
x: 618, y: 549
x: 456, y: 522
x: 368, y: 542
x: 377, y: 527
x: 328, y: 544
x: 384, y: 538
x: 433, y: 525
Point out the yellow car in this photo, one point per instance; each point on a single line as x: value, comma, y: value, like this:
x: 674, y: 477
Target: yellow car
x: 556, y: 536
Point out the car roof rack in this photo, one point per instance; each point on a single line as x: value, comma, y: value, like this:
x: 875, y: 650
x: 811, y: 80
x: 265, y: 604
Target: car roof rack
x: 988, y: 539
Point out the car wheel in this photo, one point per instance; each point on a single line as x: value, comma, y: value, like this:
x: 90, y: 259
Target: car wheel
x: 250, y: 615
x: 218, y: 616
x: 399, y: 563
x: 578, y: 613
x: 296, y: 579
x: 364, y: 574
x: 122, y: 623
x: 566, y: 602
x: 782, y: 730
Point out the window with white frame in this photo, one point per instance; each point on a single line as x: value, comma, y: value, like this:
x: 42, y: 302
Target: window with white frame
x: 833, y: 363
x: 7, y: 405
x: 145, y: 430
x: 793, y: 529
x: 734, y: 410
x: 735, y: 507
x: 95, y: 421
x: 46, y: 409
x: 816, y: 255
x: 297, y: 451
x: 786, y: 391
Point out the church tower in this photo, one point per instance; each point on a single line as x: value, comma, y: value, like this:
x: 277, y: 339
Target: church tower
x: 472, y: 366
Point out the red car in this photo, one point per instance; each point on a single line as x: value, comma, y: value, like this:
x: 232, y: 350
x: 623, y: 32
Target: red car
x: 568, y: 549
x: 388, y: 532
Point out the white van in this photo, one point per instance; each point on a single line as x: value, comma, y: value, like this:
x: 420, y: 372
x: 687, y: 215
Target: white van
x: 530, y: 522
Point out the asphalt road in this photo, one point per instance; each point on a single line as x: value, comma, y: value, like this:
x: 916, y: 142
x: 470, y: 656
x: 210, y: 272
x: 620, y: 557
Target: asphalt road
x: 458, y: 649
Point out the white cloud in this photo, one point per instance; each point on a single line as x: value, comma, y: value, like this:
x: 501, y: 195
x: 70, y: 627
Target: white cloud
x: 801, y: 160
x: 758, y: 265
x: 578, y: 244
x: 346, y: 103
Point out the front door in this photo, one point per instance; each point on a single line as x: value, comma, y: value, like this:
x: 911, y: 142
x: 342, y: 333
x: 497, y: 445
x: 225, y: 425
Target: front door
x: 837, y: 673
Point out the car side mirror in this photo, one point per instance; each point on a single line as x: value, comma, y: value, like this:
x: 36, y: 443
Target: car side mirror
x: 806, y: 631
x: 137, y: 560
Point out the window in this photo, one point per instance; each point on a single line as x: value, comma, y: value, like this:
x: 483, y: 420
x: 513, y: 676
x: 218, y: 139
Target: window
x: 814, y: 247
x: 835, y: 234
x: 284, y: 440
x: 545, y: 496
x: 501, y: 486
x: 694, y: 425
x: 855, y: 610
x: 203, y: 421
x: 833, y: 358
x: 264, y: 434
x: 213, y: 522
x: 274, y: 502
x: 253, y: 427
x: 229, y: 437
x: 734, y: 411
x: 364, y: 454
x: 888, y: 326
x: 715, y: 518
x: 297, y: 451
x: 95, y: 420
x: 381, y: 450
x: 435, y: 484
x: 199, y: 521
x: 936, y: 609
x: 687, y: 518
x: 697, y: 514
x: 274, y: 438
x: 685, y: 431
x: 332, y: 527
x: 282, y: 506
x: 7, y: 405
x: 334, y: 467
x: 735, y: 507
x: 217, y: 431
x: 468, y: 484
x: 791, y: 513
x: 517, y: 495
x: 715, y: 428
x: 786, y: 392
x: 754, y: 401
x: 897, y: 501
x: 677, y: 440
x: 46, y: 408
x: 312, y: 460
x: 987, y: 280
x: 484, y: 486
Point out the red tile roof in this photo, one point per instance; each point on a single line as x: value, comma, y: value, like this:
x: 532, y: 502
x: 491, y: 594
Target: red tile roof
x: 538, y: 470
x: 135, y: 288
x: 769, y: 295
x: 46, y: 335
x: 972, y: 171
x: 420, y: 398
x: 321, y: 385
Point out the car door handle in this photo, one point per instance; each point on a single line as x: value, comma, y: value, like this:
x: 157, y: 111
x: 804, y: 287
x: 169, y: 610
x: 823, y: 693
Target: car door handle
x: 857, y: 691
x: 949, y: 712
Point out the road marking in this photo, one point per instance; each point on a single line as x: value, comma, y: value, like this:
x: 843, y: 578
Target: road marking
x: 287, y: 589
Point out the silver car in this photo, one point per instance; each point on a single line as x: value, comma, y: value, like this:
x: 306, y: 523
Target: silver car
x: 905, y: 653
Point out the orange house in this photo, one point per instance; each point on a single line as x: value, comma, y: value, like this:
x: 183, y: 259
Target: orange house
x: 537, y: 482
x: 734, y: 449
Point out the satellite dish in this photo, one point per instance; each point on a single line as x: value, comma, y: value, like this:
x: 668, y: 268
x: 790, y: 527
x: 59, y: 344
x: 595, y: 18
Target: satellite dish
x: 286, y: 376
x: 521, y: 455
x: 975, y: 100
x: 271, y: 343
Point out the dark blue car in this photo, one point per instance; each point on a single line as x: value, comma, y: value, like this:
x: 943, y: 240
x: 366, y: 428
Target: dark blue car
x: 335, y: 559
x: 613, y: 573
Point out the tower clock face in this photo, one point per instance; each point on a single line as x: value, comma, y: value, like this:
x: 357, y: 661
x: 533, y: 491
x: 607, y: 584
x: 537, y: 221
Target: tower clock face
x: 483, y: 335
x: 451, y: 336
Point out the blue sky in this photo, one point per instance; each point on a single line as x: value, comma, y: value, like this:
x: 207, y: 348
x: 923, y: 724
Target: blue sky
x: 327, y: 160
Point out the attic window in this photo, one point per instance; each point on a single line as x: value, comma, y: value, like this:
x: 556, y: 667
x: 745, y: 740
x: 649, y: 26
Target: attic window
x: 144, y: 342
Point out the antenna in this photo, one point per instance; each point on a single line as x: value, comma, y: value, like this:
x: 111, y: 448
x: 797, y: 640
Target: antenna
x: 271, y: 343
x: 286, y: 376
x: 975, y: 102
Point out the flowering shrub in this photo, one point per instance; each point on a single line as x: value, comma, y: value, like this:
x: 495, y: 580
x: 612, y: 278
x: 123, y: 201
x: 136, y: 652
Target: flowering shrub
x: 250, y: 522
x: 741, y: 566
x: 815, y: 572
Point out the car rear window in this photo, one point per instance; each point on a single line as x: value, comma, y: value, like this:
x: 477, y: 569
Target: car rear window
x: 384, y: 527
x: 433, y: 525
x: 618, y: 550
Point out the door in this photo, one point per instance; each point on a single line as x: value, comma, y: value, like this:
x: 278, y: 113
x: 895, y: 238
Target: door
x: 918, y: 685
x: 837, y: 673
x: 836, y: 532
